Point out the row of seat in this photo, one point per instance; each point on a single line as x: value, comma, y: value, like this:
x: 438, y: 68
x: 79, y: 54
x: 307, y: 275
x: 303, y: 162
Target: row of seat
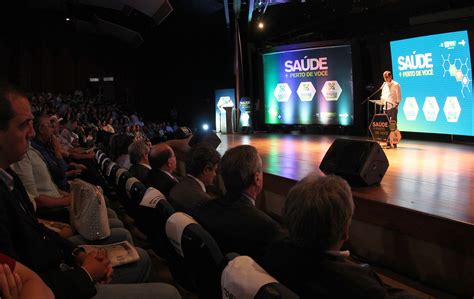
x: 194, y: 258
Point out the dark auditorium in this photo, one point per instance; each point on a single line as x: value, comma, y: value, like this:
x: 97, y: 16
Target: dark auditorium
x: 236, y: 149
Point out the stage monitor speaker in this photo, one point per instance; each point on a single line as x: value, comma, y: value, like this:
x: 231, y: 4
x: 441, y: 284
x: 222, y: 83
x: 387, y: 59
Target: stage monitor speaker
x: 360, y: 163
x: 208, y: 137
x: 182, y: 133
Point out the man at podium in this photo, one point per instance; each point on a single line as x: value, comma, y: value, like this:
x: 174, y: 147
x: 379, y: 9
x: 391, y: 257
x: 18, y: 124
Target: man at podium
x: 391, y: 98
x: 391, y: 95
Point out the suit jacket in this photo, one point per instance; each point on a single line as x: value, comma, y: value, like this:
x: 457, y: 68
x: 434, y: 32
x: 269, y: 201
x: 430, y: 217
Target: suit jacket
x: 140, y: 172
x: 188, y: 195
x: 238, y: 226
x: 161, y: 181
x: 319, y: 275
x: 42, y: 250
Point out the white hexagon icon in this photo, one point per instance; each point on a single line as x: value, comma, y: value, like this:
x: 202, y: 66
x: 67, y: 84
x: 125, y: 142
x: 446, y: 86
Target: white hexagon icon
x: 282, y: 92
x: 410, y: 108
x: 430, y: 109
x: 306, y: 91
x: 331, y: 90
x: 452, y: 109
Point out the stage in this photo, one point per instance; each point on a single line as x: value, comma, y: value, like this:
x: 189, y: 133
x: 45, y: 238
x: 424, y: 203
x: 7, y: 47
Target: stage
x: 430, y: 177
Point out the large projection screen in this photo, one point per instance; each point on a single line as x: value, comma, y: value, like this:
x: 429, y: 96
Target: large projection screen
x: 435, y: 76
x: 309, y: 86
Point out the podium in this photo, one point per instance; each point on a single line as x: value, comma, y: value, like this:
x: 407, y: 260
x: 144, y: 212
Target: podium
x: 378, y: 106
x: 229, y: 120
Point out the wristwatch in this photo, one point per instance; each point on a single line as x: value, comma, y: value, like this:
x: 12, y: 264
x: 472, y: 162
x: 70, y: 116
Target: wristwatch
x: 76, y: 251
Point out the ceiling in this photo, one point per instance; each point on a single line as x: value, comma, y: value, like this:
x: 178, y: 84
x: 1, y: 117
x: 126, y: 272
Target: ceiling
x: 133, y: 21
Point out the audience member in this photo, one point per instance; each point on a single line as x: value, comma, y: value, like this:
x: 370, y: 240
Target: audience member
x: 138, y: 152
x: 233, y: 220
x: 201, y: 169
x: 18, y: 281
x: 163, y: 163
x: 66, y: 269
x: 310, y: 262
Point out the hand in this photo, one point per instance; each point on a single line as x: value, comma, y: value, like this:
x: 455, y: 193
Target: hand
x: 10, y: 283
x: 101, y: 254
x: 78, y: 166
x: 98, y: 266
x: 73, y: 173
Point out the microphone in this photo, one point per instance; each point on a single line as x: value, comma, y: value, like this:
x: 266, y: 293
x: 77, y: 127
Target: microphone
x: 381, y: 86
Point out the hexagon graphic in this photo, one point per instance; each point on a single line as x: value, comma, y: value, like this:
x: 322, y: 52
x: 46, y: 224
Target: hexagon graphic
x: 452, y: 109
x: 452, y: 70
x: 410, y: 108
x: 306, y: 91
x: 282, y: 92
x: 331, y: 90
x: 458, y: 75
x: 430, y: 109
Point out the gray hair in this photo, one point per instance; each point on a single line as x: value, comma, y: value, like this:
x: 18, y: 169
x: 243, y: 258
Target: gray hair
x: 137, y: 150
x: 317, y: 211
x: 239, y: 166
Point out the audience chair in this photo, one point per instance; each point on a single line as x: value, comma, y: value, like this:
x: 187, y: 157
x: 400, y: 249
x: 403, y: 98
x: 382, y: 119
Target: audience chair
x: 103, y: 165
x: 203, y: 258
x: 244, y: 278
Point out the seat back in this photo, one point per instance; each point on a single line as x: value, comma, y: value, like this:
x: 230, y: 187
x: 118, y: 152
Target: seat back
x: 244, y: 278
x: 203, y: 258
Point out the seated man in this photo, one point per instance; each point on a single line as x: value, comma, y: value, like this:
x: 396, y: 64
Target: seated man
x: 318, y: 212
x: 233, y: 220
x: 163, y: 163
x: 138, y: 152
x: 201, y: 171
x: 66, y: 269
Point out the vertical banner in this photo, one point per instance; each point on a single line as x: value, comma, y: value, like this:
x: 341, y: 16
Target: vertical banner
x: 224, y: 98
x: 245, y: 112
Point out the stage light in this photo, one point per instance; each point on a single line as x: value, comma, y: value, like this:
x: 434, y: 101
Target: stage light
x: 205, y: 127
x: 260, y: 25
x: 68, y: 19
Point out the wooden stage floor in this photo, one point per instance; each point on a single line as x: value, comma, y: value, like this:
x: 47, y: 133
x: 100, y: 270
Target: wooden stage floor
x: 429, y: 177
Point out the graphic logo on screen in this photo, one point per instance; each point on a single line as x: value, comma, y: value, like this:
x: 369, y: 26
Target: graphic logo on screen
x: 307, y: 67
x: 452, y: 109
x: 459, y: 70
x: 410, y: 108
x: 282, y: 92
x: 435, y: 73
x: 430, y: 108
x: 306, y: 91
x: 331, y: 90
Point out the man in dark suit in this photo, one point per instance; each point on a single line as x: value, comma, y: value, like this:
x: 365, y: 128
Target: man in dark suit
x: 163, y: 163
x: 66, y: 269
x: 310, y: 262
x: 233, y: 220
x: 201, y: 168
x: 140, y: 168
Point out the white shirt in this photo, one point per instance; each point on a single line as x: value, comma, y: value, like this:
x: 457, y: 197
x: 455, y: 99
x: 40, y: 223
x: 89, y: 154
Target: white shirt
x: 391, y: 93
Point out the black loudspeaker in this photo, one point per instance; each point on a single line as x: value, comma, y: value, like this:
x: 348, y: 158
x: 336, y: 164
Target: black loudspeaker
x: 182, y: 133
x: 208, y: 137
x: 360, y: 163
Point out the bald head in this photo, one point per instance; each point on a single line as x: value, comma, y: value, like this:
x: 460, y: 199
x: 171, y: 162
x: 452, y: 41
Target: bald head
x: 162, y: 157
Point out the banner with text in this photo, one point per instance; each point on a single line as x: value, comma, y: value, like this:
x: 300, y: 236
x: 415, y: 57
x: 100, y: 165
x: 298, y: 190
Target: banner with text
x: 309, y: 86
x: 435, y: 76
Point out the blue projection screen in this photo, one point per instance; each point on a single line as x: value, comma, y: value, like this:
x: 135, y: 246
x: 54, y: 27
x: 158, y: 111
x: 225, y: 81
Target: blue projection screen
x: 435, y: 76
x: 309, y: 86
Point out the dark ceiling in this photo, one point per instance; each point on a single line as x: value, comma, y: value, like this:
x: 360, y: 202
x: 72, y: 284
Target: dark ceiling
x: 134, y: 21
